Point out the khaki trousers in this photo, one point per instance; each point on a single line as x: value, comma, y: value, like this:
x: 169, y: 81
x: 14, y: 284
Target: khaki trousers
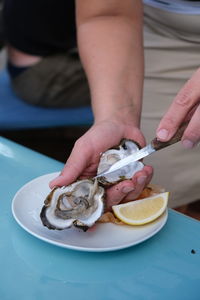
x: 172, y: 54
x: 56, y: 81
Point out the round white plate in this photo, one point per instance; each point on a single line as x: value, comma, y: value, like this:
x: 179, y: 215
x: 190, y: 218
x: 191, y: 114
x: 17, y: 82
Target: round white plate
x: 26, y: 207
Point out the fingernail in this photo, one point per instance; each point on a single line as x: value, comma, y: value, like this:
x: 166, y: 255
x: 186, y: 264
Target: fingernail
x: 128, y: 189
x: 163, y: 134
x: 188, y: 144
x: 141, y: 179
x: 53, y: 181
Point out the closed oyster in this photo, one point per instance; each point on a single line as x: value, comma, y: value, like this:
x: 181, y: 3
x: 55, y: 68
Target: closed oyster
x: 80, y: 204
x: 111, y: 156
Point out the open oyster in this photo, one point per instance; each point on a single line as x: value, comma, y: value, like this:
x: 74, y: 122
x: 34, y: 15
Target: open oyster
x: 79, y: 204
x: 111, y: 156
x: 82, y: 203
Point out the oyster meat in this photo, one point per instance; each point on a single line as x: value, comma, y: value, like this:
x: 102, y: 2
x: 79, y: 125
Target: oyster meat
x: 81, y: 203
x: 111, y: 156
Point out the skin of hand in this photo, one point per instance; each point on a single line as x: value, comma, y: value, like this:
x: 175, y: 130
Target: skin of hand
x: 185, y: 107
x: 110, y: 46
x: 85, y: 156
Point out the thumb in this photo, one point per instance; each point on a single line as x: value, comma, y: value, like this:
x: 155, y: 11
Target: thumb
x: 73, y: 168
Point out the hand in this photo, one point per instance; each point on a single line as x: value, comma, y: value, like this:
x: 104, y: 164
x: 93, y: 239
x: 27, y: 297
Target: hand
x: 186, y: 106
x: 85, y: 155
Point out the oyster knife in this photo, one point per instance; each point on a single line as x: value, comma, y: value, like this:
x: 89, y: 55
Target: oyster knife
x: 155, y: 145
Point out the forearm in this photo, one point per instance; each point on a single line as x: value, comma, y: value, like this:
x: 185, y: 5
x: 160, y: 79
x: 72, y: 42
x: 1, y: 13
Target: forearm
x: 111, y: 50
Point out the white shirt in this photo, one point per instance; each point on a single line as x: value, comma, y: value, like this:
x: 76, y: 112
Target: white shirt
x: 177, y: 6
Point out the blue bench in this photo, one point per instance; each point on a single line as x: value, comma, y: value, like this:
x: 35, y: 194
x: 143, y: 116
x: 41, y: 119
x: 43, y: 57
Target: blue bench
x: 16, y: 114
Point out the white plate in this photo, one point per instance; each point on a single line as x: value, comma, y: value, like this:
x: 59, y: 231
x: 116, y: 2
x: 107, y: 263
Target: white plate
x: 26, y: 207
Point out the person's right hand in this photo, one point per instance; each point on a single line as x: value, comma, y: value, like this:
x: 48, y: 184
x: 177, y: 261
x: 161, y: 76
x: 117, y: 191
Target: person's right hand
x: 185, y: 107
x: 84, y: 159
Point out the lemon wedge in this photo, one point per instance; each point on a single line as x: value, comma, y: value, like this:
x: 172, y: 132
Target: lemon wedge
x: 142, y: 211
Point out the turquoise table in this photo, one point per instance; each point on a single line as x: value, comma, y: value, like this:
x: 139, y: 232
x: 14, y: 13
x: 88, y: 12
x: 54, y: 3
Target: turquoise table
x: 163, y: 267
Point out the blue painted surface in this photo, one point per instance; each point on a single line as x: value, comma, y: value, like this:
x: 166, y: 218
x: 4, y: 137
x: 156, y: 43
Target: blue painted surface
x: 160, y: 268
x: 16, y: 114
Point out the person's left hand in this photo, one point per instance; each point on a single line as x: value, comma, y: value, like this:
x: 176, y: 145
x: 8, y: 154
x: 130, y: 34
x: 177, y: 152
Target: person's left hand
x: 185, y: 107
x: 85, y: 156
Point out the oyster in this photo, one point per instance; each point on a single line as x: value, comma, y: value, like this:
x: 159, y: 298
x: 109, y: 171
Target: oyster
x: 82, y: 203
x: 79, y: 204
x: 111, y: 156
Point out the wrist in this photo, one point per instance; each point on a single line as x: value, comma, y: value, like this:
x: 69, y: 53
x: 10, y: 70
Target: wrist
x: 127, y: 113
x: 123, y: 127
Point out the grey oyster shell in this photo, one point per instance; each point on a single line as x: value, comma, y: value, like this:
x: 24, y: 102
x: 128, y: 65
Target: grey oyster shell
x: 81, y: 203
x: 111, y: 156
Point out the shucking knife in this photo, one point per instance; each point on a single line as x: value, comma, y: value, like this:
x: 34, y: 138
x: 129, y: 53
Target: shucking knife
x: 155, y: 145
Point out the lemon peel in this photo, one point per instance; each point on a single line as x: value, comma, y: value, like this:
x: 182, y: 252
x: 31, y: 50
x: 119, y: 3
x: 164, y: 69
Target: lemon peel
x: 142, y: 211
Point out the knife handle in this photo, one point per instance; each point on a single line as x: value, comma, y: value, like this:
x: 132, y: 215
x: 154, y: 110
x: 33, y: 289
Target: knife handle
x: 157, y: 145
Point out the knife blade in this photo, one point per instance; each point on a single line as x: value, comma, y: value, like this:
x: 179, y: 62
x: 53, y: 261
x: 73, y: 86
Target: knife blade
x: 155, y: 145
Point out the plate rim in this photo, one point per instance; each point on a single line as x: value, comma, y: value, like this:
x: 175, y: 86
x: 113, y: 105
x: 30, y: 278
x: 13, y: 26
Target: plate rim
x: 73, y: 247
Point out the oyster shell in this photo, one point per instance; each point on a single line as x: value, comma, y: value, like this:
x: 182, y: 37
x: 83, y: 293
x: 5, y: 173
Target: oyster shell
x: 111, y: 156
x: 79, y: 204
x: 82, y: 203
